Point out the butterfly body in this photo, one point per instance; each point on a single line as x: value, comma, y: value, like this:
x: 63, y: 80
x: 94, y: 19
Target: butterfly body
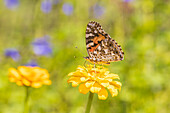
x: 101, y: 48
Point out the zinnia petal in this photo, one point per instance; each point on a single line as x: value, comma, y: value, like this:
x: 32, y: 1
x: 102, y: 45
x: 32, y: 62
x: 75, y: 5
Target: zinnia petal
x: 95, y: 80
x: 112, y: 76
x: 116, y: 84
x: 103, y: 94
x: 84, y: 79
x: 13, y: 72
x: 19, y: 83
x: 36, y: 84
x: 26, y: 82
x: 29, y: 76
x: 95, y: 88
x: 112, y: 90
x: 83, y: 89
x: 75, y: 81
x: 104, y: 83
x: 80, y: 68
x: 71, y: 74
x: 12, y: 79
x: 89, y: 84
x: 25, y: 71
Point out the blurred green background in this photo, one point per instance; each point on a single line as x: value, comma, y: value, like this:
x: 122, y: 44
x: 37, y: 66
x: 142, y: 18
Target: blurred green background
x: 46, y: 32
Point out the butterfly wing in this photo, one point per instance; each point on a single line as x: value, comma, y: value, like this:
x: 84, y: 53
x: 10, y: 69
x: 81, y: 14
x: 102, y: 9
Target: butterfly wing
x: 100, y: 46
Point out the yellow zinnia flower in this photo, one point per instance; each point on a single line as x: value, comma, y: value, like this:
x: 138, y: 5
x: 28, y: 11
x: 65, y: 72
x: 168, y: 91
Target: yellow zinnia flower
x: 29, y: 76
x: 96, y: 80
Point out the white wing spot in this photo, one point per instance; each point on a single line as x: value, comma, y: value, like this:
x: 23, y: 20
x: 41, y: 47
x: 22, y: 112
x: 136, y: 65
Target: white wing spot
x: 99, y: 48
x: 95, y: 31
x: 95, y: 52
x: 87, y: 35
x: 105, y: 50
x: 90, y: 44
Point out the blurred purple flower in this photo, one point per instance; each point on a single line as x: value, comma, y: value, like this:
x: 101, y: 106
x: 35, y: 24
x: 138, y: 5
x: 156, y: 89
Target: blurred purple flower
x: 41, y: 46
x: 67, y: 9
x: 98, y: 10
x: 11, y: 4
x: 127, y: 0
x: 32, y: 63
x: 46, y: 6
x: 13, y: 53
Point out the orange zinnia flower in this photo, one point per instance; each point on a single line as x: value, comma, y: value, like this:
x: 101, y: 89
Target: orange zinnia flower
x: 29, y: 76
x: 96, y: 80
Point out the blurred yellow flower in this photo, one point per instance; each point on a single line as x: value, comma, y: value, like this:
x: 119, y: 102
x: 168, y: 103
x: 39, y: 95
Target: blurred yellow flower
x: 96, y: 80
x: 29, y: 76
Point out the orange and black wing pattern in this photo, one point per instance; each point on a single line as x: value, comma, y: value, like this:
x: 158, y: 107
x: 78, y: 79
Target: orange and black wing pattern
x: 101, y: 48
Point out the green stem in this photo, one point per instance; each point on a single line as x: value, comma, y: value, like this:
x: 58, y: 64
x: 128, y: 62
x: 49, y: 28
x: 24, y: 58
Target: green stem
x: 89, y: 103
x: 26, y: 109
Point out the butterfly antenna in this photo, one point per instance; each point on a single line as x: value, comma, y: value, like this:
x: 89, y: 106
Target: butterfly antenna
x: 80, y: 51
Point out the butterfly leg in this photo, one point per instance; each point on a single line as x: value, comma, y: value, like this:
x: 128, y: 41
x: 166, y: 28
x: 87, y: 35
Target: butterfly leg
x: 85, y: 63
x: 94, y: 67
x: 88, y: 63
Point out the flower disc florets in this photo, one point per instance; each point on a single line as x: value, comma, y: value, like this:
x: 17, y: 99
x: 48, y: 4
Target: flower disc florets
x: 96, y: 80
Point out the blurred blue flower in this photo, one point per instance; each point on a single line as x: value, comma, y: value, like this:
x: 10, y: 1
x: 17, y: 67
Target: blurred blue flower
x: 67, y: 9
x: 46, y: 6
x: 11, y: 4
x: 98, y: 10
x: 32, y: 63
x: 41, y: 46
x: 13, y: 53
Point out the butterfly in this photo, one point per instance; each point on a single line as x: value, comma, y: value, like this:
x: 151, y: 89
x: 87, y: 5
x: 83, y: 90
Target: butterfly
x: 101, y: 48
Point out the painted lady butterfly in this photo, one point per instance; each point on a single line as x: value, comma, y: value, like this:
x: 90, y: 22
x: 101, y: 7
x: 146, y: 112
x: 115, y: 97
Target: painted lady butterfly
x: 101, y: 48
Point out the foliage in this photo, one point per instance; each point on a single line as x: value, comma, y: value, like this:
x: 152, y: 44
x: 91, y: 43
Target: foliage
x: 141, y: 27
